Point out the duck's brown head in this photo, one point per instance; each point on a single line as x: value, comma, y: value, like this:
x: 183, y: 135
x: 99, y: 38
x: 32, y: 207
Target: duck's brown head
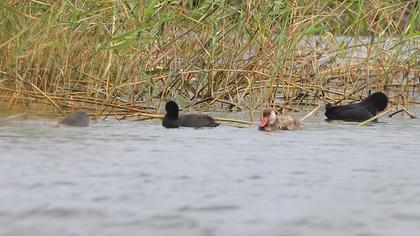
x: 269, y: 116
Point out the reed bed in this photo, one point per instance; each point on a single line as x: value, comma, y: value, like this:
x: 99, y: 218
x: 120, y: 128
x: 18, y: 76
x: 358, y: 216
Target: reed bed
x: 126, y: 58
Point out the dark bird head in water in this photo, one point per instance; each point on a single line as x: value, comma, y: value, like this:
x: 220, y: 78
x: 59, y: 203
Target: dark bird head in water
x: 172, y: 109
x: 79, y: 118
x: 378, y: 100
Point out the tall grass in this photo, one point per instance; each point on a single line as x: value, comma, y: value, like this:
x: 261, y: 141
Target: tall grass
x: 125, y: 57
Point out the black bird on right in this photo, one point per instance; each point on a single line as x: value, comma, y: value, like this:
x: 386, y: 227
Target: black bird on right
x: 358, y: 112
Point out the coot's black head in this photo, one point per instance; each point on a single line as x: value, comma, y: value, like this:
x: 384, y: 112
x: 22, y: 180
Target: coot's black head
x: 172, y: 109
x: 378, y: 99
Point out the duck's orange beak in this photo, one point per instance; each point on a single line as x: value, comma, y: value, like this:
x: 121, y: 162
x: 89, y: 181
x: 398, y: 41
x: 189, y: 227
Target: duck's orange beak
x: 264, y: 121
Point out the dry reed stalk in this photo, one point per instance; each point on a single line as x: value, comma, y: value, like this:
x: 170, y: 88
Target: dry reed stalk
x: 374, y: 118
x: 220, y: 119
x: 403, y: 110
x: 211, y: 55
x: 42, y: 93
x: 310, y: 113
x: 17, y: 115
x: 408, y: 112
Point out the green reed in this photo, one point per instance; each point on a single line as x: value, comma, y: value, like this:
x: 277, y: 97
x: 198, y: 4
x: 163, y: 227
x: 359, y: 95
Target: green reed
x: 126, y: 57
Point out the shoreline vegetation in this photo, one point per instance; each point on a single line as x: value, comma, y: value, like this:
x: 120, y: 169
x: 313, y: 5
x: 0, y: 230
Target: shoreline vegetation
x: 127, y: 58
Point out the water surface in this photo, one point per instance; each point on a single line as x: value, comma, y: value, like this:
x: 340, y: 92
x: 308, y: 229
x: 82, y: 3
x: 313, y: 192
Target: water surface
x: 130, y: 178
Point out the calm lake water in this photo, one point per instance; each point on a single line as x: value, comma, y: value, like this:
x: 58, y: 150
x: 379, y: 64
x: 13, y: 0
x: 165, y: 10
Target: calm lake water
x: 129, y: 178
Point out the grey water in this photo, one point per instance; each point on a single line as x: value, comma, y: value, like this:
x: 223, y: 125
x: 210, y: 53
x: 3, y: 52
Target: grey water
x: 138, y: 178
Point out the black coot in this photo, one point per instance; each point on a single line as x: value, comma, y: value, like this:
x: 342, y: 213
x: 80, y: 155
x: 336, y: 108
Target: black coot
x: 80, y: 119
x: 172, y: 119
x: 357, y: 112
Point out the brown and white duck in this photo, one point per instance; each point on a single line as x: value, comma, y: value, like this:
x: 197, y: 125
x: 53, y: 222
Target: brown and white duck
x: 271, y: 121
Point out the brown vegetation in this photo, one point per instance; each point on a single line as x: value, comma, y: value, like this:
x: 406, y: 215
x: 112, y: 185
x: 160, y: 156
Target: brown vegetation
x: 125, y: 58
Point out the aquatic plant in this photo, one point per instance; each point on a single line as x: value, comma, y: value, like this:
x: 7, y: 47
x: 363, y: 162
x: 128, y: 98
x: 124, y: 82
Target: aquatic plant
x: 126, y: 58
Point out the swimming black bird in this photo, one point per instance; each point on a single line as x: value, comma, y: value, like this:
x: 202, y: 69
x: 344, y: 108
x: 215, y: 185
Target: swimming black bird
x: 357, y: 112
x: 172, y: 119
x: 80, y: 119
